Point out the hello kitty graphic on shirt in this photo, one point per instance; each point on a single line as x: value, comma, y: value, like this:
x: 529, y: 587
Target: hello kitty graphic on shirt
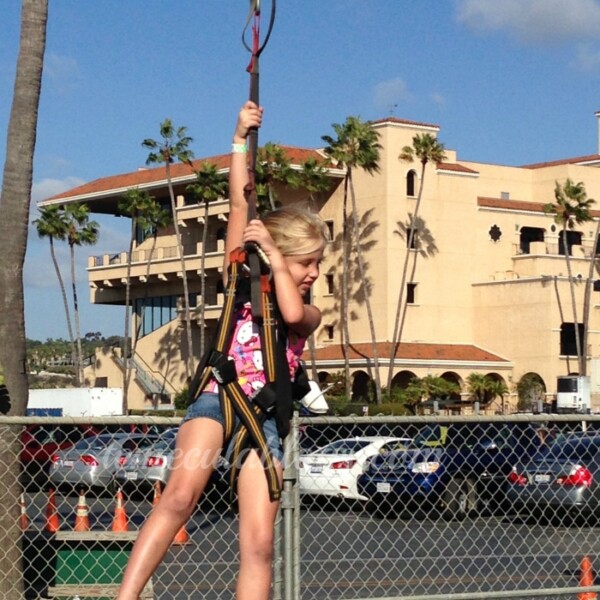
x: 246, y: 353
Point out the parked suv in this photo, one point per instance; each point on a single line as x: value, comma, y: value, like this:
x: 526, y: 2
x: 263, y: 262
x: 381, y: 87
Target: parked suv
x: 458, y: 478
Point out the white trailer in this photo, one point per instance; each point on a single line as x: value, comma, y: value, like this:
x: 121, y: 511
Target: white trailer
x: 75, y: 402
x: 573, y: 394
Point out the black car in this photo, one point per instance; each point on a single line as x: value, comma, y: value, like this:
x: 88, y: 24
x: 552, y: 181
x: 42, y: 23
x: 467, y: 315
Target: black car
x: 461, y: 475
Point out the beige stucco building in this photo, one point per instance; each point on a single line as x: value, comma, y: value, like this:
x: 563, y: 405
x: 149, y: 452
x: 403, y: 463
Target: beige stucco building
x: 487, y: 290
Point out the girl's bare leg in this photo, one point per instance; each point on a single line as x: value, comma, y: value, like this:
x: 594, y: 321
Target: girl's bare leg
x: 198, y: 446
x: 257, y: 522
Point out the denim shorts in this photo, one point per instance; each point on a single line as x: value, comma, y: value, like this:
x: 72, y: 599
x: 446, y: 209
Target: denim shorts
x: 207, y: 405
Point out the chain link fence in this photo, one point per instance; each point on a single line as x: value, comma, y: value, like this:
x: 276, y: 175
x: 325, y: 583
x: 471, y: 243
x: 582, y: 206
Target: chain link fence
x: 373, y: 507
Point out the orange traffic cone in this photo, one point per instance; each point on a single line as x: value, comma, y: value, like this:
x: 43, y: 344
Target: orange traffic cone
x: 586, y: 579
x: 82, y: 515
x: 181, y: 537
x: 120, y: 520
x: 24, y: 521
x: 157, y: 493
x: 52, y: 523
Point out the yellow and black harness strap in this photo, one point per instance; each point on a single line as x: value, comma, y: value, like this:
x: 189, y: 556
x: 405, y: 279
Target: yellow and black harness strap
x: 232, y: 398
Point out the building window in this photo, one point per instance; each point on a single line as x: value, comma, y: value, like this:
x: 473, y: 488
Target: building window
x: 329, y: 281
x: 329, y: 332
x: 411, y: 176
x: 568, y: 347
x: 329, y: 225
x: 573, y: 239
x: 411, y: 289
x: 528, y: 235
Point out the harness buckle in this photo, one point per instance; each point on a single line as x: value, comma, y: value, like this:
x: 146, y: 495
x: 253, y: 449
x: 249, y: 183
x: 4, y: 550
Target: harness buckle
x: 223, y: 368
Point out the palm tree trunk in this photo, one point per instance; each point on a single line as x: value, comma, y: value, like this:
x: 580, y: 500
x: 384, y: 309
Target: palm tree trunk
x: 345, y: 313
x: 399, y: 323
x: 79, y: 365
x: 14, y: 220
x: 203, y: 278
x: 561, y: 314
x: 63, y: 293
x: 124, y: 352
x: 587, y: 294
x: 186, y: 296
x: 363, y: 275
x: 580, y: 358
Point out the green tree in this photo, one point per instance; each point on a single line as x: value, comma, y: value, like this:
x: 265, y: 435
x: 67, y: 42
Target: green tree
x: 210, y: 186
x: 530, y: 390
x: 146, y: 214
x: 272, y: 166
x: 174, y: 146
x: 51, y: 224
x: 80, y: 231
x: 430, y: 387
x: 571, y: 207
x: 355, y: 146
x: 15, y: 199
x: 426, y: 149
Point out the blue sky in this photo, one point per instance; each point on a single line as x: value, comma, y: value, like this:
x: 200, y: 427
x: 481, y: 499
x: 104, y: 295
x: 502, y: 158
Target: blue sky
x: 510, y: 82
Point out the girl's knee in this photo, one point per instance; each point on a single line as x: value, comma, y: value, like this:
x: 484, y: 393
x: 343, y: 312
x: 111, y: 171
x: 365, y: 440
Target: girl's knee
x: 179, y: 499
x: 259, y: 548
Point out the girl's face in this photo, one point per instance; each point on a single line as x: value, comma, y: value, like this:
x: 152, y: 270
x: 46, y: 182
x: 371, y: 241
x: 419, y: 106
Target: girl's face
x: 304, y: 269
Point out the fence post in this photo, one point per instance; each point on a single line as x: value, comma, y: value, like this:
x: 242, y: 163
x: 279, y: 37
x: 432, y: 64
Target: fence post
x: 289, y: 510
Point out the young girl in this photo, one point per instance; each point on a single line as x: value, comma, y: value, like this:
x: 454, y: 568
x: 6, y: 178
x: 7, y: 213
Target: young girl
x: 294, y: 241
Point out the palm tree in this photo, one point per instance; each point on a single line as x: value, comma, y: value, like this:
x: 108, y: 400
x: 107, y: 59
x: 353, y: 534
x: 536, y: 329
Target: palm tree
x: 588, y: 290
x: 210, y: 185
x: 80, y: 231
x: 174, y: 146
x: 477, y: 384
x: 572, y: 207
x: 143, y: 211
x: 313, y: 178
x: 15, y: 199
x: 426, y: 148
x: 355, y: 146
x: 51, y: 224
x: 272, y: 166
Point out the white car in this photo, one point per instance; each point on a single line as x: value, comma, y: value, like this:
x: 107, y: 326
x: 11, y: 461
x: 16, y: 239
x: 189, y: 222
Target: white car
x: 334, y: 469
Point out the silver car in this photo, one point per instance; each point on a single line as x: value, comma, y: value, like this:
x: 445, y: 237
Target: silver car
x: 563, y: 478
x: 145, y: 466
x: 141, y: 469
x: 92, y: 462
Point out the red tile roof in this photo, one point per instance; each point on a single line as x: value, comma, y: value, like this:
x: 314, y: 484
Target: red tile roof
x: 564, y: 161
x: 148, y: 176
x: 411, y: 351
x: 455, y: 167
x: 403, y: 122
x: 521, y: 205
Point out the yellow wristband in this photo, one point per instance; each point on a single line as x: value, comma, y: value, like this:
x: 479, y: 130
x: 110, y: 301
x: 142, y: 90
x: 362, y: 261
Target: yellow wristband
x: 239, y: 148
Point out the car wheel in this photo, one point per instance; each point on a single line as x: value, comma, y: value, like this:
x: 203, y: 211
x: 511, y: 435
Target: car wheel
x: 459, y: 499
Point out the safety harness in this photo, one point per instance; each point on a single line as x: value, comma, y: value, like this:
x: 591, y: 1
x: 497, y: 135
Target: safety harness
x: 249, y: 276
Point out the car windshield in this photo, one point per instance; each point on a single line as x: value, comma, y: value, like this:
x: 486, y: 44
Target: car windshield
x: 344, y: 447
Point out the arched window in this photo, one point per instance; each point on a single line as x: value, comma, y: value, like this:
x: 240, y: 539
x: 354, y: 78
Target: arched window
x: 411, y: 177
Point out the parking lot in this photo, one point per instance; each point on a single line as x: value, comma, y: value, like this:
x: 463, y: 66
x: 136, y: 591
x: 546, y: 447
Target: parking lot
x: 353, y: 549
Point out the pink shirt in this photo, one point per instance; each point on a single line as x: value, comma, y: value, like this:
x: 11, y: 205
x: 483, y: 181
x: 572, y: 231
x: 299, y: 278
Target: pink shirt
x: 246, y: 353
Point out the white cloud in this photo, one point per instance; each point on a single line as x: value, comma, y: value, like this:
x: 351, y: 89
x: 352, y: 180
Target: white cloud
x: 437, y: 98
x: 62, y: 72
x: 533, y: 21
x: 388, y: 94
x: 48, y: 187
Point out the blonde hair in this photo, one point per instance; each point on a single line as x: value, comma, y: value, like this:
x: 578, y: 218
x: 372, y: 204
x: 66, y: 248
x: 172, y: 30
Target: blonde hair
x: 296, y: 230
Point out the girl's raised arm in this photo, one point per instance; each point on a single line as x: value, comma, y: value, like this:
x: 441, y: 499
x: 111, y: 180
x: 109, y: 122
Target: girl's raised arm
x: 250, y: 116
